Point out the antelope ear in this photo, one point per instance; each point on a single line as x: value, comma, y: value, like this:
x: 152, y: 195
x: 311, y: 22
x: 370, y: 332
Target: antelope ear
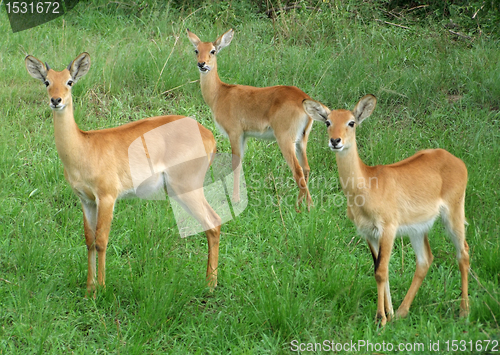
x: 35, y: 68
x: 364, y: 108
x: 80, y: 66
x: 224, y: 40
x: 316, y: 110
x: 193, y: 38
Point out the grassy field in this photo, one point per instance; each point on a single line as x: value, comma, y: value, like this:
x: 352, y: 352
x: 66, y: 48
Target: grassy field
x: 285, y: 278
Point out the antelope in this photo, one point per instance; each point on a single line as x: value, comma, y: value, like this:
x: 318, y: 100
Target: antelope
x: 96, y: 165
x: 240, y: 112
x: 401, y: 198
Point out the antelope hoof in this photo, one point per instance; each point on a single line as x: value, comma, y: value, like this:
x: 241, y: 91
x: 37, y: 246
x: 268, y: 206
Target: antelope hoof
x: 90, y: 294
x: 464, y: 313
x: 309, y: 204
x: 211, y: 284
x: 401, y: 313
x: 380, y: 320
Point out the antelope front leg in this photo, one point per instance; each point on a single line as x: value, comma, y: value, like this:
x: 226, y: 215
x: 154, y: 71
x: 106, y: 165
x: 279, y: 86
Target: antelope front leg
x: 104, y: 217
x: 382, y: 274
x: 237, y: 148
x: 424, y: 257
x: 89, y: 225
x: 389, y: 311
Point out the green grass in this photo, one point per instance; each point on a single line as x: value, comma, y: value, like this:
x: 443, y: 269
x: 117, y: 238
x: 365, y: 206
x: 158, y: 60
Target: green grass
x: 283, y: 276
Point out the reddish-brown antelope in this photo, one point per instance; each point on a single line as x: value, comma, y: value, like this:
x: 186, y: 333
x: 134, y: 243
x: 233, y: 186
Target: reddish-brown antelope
x: 241, y: 112
x: 96, y: 165
x: 402, y: 198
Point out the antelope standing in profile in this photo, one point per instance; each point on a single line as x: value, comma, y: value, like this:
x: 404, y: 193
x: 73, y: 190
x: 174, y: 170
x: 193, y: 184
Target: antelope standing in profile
x: 400, y: 198
x: 241, y: 112
x: 96, y: 165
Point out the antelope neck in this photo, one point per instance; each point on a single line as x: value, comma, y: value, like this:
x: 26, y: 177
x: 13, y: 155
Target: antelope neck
x: 68, y: 136
x: 351, y: 168
x: 210, y: 84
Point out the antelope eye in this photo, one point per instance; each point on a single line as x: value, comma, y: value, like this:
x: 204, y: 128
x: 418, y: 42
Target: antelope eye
x: 46, y: 83
x: 196, y: 51
x: 328, y: 123
x: 351, y: 123
x: 212, y: 51
x: 70, y: 82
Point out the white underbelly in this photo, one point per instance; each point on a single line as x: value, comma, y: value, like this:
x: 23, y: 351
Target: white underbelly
x: 268, y: 134
x: 153, y: 188
x: 416, y: 228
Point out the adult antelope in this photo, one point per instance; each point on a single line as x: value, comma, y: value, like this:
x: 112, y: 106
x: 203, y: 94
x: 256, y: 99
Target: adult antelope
x: 401, y: 198
x: 96, y: 165
x: 241, y: 112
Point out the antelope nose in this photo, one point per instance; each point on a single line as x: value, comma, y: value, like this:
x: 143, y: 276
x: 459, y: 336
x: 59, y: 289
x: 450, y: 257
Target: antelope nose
x: 201, y: 64
x: 335, y: 141
x: 55, y: 101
